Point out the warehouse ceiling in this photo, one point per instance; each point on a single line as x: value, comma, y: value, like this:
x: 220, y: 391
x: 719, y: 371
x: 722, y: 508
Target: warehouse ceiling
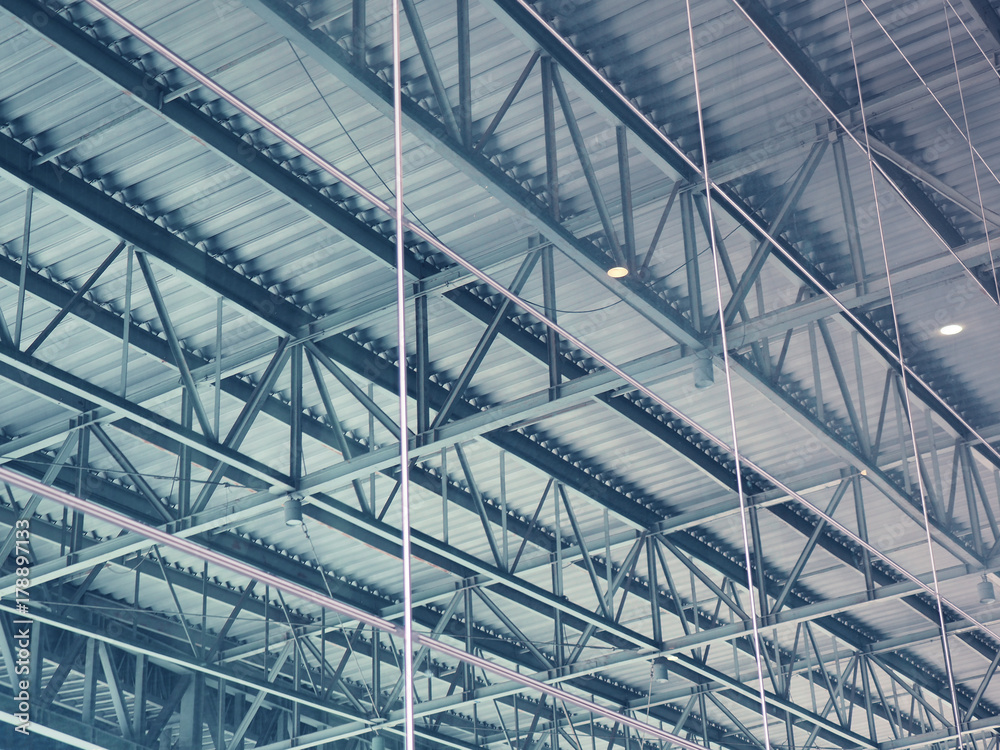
x: 694, y: 456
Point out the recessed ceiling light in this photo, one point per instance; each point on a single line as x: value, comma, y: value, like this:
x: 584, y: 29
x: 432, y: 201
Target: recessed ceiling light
x: 951, y: 329
x: 617, y: 272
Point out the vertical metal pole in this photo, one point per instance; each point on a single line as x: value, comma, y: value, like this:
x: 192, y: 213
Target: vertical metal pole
x: 82, y: 459
x: 862, y: 402
x: 444, y: 495
x: 654, y: 590
x: 549, y: 301
x: 549, y: 125
x: 376, y: 669
x: 625, y: 178
x: 139, y: 704
x: 218, y: 366
x: 503, y: 509
x: 359, y: 29
x: 184, y: 458
x: 740, y: 491
x: 295, y: 444
x: 191, y: 716
x: 220, y: 713
x: 859, y: 510
x: 127, y: 318
x: 464, y: 74
x: 817, y: 375
x: 423, y: 369
x: 404, y: 460
x: 89, y: 685
x: 557, y: 581
x: 850, y: 215
x: 691, y: 259
x: 23, y: 282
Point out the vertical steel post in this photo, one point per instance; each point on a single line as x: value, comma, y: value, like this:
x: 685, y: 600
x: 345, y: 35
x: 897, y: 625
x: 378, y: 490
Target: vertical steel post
x: 859, y: 511
x: 191, y: 717
x: 89, y: 687
x: 423, y: 365
x: 139, y: 697
x: 549, y: 301
x: 691, y: 260
x: 23, y: 281
x: 218, y: 366
x: 359, y: 31
x: 127, y: 318
x: 184, y: 459
x: 625, y: 178
x: 549, y: 126
x: 464, y: 74
x: 850, y: 215
x: 295, y: 443
x: 82, y: 461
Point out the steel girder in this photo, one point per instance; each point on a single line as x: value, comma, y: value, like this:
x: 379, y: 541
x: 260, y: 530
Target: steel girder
x: 231, y: 147
x: 677, y: 328
x: 373, y: 90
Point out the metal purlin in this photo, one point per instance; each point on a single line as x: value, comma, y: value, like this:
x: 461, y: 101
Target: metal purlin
x: 571, y: 338
x: 740, y: 491
x: 906, y: 394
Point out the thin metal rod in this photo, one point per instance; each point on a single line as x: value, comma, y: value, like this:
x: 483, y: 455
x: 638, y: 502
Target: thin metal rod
x: 175, y: 346
x: 68, y: 307
x: 25, y: 244
x: 127, y: 319
x: 759, y: 654
x: 268, y: 578
x: 588, y: 168
x: 488, y: 133
x: 936, y: 591
x: 218, y: 367
x: 433, y: 74
x: 404, y: 442
x: 659, y: 228
x: 625, y: 178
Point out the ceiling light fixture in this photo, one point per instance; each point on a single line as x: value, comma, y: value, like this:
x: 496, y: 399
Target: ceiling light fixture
x: 987, y: 594
x: 660, y: 669
x: 293, y: 512
x: 951, y: 329
x: 617, y: 272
